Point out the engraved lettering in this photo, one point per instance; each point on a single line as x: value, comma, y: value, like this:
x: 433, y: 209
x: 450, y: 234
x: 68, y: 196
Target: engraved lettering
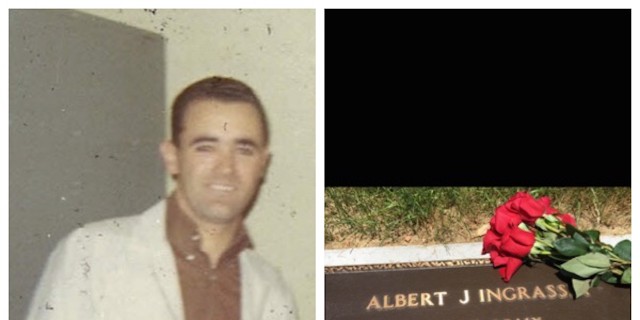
x: 563, y: 291
x: 538, y: 293
x: 494, y: 294
x: 396, y: 301
x: 385, y: 302
x: 425, y: 299
x: 511, y: 295
x: 522, y: 293
x: 413, y: 300
x: 440, y: 297
x: 374, y: 303
x: 551, y: 291
x: 466, y: 297
x: 400, y: 301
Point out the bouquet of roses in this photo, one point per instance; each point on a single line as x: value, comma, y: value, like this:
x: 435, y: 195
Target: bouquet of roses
x: 525, y: 229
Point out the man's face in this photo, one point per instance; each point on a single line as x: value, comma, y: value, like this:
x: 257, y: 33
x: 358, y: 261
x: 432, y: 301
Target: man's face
x: 221, y: 160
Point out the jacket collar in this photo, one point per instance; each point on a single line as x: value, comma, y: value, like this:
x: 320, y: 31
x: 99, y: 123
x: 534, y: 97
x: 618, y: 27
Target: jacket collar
x: 151, y: 230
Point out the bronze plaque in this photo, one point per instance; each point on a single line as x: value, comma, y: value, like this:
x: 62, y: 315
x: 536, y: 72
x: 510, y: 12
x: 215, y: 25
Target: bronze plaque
x: 465, y: 290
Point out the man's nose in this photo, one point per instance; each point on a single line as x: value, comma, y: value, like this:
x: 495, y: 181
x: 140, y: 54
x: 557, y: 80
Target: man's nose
x: 226, y: 162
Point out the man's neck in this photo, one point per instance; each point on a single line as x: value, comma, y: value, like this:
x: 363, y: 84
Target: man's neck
x: 215, y: 238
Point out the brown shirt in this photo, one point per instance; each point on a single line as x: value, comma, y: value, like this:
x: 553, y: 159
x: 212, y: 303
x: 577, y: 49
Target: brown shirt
x: 207, y: 293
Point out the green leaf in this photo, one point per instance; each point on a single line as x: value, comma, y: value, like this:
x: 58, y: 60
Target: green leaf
x: 578, y: 268
x: 571, y: 229
x: 626, y: 276
x: 550, y: 236
x: 558, y: 258
x: 623, y: 249
x: 569, y: 247
x: 595, y: 260
x: 595, y: 282
x: 551, y: 218
x: 581, y: 239
x: 580, y: 287
x: 609, y: 277
x: 594, y: 235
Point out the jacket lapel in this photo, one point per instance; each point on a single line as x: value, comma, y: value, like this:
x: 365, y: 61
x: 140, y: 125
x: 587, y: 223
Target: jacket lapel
x: 162, y: 264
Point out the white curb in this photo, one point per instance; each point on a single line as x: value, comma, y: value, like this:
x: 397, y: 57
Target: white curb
x: 402, y: 254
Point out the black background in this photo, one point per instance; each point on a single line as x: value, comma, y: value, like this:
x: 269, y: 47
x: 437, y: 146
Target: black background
x: 477, y: 97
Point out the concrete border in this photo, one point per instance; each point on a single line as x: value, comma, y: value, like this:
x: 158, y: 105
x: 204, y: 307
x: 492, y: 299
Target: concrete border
x: 403, y: 254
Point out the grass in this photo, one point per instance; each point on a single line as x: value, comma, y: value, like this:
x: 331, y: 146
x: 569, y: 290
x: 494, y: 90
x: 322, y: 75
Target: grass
x: 386, y: 216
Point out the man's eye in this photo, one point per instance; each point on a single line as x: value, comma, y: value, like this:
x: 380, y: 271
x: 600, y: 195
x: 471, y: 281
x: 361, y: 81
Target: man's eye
x: 204, y: 148
x: 246, y: 150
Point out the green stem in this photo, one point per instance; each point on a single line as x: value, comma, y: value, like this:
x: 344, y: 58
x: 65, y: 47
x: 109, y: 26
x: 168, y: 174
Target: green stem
x: 617, y: 271
x: 620, y: 260
x: 554, y: 230
x: 606, y: 247
x: 544, y: 242
x: 614, y: 257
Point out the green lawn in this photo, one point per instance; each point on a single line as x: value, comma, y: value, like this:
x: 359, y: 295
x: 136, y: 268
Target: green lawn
x: 454, y: 214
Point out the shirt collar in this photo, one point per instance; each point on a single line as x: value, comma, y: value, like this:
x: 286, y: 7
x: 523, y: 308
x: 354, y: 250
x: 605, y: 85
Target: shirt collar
x: 184, y: 237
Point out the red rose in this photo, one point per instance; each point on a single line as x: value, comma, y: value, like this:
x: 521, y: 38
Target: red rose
x: 528, y: 208
x: 508, y: 249
x: 567, y: 218
x: 491, y: 242
x: 510, y: 268
x: 525, y: 229
x: 503, y: 219
x: 506, y: 243
x: 517, y: 242
x: 507, y: 265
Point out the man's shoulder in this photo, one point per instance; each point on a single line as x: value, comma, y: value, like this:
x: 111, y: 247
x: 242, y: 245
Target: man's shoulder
x: 253, y: 259
x: 111, y: 229
x: 256, y: 266
x: 263, y: 280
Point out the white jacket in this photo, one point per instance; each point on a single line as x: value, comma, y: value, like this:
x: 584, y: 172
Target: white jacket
x: 124, y: 268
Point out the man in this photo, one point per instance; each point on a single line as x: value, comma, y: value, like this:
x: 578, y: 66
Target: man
x: 188, y: 256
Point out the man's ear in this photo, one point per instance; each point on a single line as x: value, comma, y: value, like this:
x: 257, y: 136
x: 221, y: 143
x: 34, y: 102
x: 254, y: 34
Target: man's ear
x: 169, y: 153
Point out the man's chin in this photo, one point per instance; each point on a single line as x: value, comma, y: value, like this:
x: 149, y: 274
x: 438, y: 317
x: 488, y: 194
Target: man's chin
x: 220, y: 217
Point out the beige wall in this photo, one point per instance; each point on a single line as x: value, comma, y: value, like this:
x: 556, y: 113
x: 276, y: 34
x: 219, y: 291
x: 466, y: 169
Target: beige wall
x: 274, y: 52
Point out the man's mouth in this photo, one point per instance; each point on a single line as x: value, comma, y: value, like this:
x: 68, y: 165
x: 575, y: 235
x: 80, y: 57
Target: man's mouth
x: 222, y: 187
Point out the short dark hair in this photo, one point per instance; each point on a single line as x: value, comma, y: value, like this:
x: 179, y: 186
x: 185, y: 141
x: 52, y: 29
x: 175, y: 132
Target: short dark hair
x: 214, y: 88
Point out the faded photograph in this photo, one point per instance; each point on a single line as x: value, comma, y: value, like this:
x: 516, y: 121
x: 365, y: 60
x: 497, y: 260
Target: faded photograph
x: 162, y: 164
